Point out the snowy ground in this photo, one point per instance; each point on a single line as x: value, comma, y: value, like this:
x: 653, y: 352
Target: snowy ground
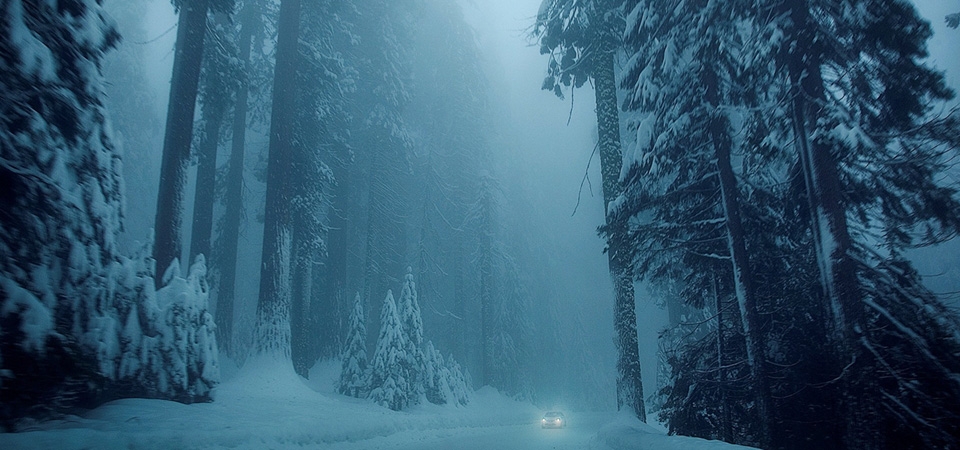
x: 263, y: 408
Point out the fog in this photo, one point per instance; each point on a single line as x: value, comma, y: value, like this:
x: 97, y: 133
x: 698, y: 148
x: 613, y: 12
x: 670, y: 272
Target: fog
x: 383, y: 227
x: 542, y: 146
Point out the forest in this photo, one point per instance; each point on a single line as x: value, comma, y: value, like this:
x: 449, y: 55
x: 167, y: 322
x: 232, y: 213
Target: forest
x: 338, y: 189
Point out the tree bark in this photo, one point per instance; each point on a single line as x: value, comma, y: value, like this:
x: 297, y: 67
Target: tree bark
x: 832, y: 240
x: 726, y: 431
x: 629, y: 381
x: 486, y: 288
x: 743, y: 283
x: 177, y: 137
x: 332, y: 275
x: 273, y: 305
x: 300, y: 297
x: 204, y: 197
x: 233, y: 211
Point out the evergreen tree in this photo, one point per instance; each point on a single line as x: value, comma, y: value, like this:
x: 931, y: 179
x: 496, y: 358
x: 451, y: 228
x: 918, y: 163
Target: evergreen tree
x: 79, y: 323
x: 444, y: 381
x: 436, y: 376
x: 868, y: 158
x: 382, y: 139
x: 839, y: 161
x: 511, y: 329
x: 450, y: 122
x: 388, y: 375
x: 353, y: 373
x: 457, y: 381
x: 682, y: 181
x: 582, y: 39
x: 324, y: 113
x: 486, y: 212
x: 137, y: 125
x: 411, y: 323
x: 61, y: 200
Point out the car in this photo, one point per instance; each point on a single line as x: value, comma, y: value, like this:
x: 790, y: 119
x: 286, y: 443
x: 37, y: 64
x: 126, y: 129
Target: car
x: 553, y: 419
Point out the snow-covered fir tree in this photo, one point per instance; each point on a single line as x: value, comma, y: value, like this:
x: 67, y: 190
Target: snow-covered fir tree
x: 457, y: 381
x: 179, y: 348
x: 81, y: 324
x: 681, y: 189
x: 388, y: 375
x: 828, y: 117
x: 435, y: 376
x: 353, y: 373
x: 411, y: 323
x: 444, y: 382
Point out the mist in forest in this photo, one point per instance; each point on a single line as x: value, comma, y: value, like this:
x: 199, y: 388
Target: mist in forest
x: 540, y: 147
x: 731, y: 221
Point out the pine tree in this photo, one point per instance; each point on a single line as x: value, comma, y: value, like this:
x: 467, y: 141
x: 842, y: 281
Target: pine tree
x: 839, y: 161
x: 411, y: 323
x: 137, y: 124
x: 60, y: 206
x: 486, y: 212
x: 457, y: 381
x: 324, y: 114
x: 436, y: 376
x: 388, y: 375
x: 510, y: 330
x: 582, y: 39
x: 685, y: 61
x: 80, y: 324
x: 381, y: 133
x: 353, y: 373
x: 868, y: 159
x: 953, y: 20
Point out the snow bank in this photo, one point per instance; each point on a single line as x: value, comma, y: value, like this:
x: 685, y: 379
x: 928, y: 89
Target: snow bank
x: 628, y: 433
x: 265, y: 405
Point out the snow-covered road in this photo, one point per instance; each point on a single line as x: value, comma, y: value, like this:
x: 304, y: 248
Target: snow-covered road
x: 523, y: 436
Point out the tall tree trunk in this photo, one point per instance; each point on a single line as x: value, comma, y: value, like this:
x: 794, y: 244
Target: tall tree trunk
x: 629, y: 381
x: 832, y: 240
x: 743, y: 281
x: 332, y: 275
x: 191, y: 26
x: 273, y: 305
x: 460, y: 305
x: 726, y: 430
x: 486, y: 302
x: 204, y: 198
x: 233, y: 211
x: 300, y: 297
